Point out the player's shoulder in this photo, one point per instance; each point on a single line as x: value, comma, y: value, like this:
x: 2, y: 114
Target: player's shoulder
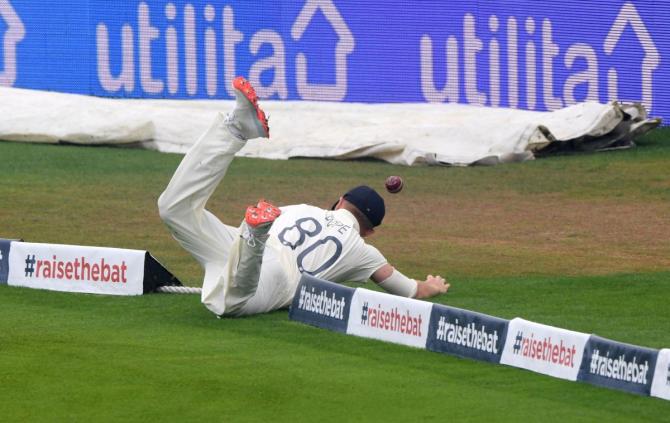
x: 296, y: 212
x: 301, y: 208
x: 341, y: 220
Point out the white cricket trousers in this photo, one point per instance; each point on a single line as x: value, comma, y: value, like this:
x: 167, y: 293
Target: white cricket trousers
x: 232, y: 266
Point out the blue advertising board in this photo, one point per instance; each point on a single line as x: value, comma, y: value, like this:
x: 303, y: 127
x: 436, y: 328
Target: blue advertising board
x: 617, y: 365
x: 466, y: 333
x: 322, y: 303
x: 5, y: 245
x: 527, y: 54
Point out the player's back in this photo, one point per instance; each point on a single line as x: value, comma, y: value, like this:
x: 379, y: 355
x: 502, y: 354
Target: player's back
x: 326, y: 243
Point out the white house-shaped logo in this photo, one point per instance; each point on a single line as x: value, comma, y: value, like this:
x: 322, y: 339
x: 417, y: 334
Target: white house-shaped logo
x: 13, y: 35
x: 628, y: 15
x: 345, y: 45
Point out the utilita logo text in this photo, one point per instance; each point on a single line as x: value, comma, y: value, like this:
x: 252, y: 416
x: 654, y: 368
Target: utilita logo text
x: 76, y: 270
x: 391, y: 320
x: 190, y: 46
x: 618, y: 368
x: 544, y: 350
x: 321, y: 303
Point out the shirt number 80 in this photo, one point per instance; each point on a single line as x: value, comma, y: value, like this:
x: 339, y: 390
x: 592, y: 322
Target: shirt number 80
x: 308, y: 229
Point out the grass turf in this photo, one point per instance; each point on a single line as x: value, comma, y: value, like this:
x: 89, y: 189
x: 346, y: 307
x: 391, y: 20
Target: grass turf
x: 164, y: 357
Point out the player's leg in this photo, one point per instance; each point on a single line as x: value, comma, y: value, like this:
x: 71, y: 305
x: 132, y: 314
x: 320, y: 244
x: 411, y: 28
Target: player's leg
x: 182, y: 204
x: 251, y: 246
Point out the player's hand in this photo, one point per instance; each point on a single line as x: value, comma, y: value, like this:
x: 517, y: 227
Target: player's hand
x: 432, y: 286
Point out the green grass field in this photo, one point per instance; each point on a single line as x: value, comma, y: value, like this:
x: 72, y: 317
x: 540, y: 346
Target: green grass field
x: 578, y: 241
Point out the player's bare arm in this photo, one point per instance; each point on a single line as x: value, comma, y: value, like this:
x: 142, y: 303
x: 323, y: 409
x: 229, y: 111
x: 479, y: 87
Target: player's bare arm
x: 396, y: 283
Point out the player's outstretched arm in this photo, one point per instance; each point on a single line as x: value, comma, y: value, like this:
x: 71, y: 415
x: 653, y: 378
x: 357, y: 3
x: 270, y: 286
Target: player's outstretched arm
x: 396, y: 283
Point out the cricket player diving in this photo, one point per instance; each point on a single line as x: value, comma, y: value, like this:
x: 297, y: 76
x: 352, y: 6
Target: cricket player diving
x: 255, y: 267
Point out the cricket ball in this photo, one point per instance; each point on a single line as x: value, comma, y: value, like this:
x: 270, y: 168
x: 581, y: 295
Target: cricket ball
x: 394, y: 184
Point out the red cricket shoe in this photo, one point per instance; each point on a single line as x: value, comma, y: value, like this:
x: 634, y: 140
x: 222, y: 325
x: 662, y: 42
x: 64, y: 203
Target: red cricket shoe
x: 261, y: 214
x: 244, y: 88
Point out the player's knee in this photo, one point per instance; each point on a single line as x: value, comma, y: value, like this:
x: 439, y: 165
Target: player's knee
x: 165, y: 208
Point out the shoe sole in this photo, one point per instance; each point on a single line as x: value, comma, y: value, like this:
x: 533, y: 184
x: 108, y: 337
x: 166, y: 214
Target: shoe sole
x: 245, y: 88
x: 261, y: 214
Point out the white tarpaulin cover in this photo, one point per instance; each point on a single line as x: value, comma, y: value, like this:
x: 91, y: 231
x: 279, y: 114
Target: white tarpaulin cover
x: 408, y: 134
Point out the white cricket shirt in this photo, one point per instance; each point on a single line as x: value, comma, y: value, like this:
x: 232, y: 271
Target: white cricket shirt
x: 325, y: 243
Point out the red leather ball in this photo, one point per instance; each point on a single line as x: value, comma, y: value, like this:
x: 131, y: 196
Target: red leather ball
x: 394, y: 184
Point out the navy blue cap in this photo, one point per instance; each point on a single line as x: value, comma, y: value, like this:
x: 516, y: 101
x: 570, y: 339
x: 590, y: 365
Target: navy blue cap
x: 368, y: 202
